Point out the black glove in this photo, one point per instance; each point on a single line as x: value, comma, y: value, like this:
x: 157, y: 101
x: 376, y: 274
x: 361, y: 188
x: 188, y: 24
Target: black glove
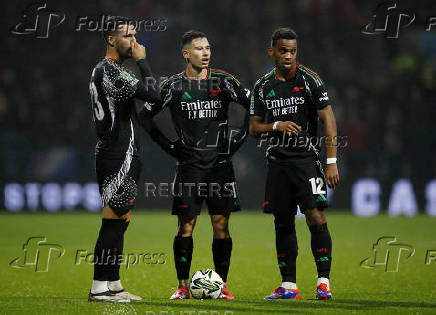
x: 179, y: 150
x: 236, y: 140
x: 228, y: 90
x: 176, y: 148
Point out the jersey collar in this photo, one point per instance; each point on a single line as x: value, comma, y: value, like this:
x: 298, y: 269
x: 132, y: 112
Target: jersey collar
x: 113, y: 59
x: 290, y: 74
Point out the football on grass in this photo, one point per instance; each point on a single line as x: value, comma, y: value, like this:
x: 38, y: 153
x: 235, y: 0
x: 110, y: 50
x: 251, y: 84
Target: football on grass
x: 206, y: 284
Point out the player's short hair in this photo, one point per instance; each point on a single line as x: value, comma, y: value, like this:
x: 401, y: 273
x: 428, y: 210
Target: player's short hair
x: 283, y: 33
x: 111, y: 25
x: 190, y: 35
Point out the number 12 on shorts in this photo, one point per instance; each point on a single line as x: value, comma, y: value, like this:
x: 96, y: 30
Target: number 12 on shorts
x: 317, y: 184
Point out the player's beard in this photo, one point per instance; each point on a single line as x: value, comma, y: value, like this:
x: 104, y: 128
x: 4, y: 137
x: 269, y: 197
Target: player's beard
x: 124, y: 53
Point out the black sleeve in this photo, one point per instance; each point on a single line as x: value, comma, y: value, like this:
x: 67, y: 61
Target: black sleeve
x: 176, y: 148
x: 152, y: 129
x: 318, y: 92
x: 148, y: 123
x: 145, y: 112
x: 236, y: 92
x: 147, y: 90
x: 257, y: 104
x: 151, y: 109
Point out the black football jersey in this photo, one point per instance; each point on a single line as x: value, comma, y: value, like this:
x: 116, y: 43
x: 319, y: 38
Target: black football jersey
x: 199, y: 109
x: 113, y: 89
x: 297, y: 99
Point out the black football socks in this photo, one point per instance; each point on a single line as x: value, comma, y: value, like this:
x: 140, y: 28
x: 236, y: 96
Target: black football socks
x: 116, y: 272
x: 182, y: 248
x: 221, y: 251
x: 286, y: 246
x: 108, y: 250
x: 321, y: 243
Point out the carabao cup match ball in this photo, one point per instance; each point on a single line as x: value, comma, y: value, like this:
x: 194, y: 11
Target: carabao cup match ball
x: 206, y: 284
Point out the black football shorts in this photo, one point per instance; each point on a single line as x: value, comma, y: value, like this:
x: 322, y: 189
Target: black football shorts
x: 118, y: 181
x: 216, y: 186
x: 292, y: 183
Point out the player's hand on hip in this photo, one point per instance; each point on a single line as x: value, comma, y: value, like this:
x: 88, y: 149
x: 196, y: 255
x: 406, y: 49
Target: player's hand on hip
x: 289, y: 127
x: 138, y: 51
x: 180, y: 151
x: 332, y: 175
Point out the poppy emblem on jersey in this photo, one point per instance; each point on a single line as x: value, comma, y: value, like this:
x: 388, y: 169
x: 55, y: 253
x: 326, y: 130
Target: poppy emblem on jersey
x: 297, y: 88
x: 214, y: 92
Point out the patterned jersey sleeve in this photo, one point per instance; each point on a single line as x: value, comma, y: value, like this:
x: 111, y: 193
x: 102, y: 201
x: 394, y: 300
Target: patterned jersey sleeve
x: 120, y: 84
x: 166, y: 93
x: 316, y: 88
x: 257, y: 105
x: 99, y: 101
x: 236, y: 92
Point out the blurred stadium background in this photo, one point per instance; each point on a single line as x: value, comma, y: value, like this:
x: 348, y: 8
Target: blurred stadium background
x: 382, y: 91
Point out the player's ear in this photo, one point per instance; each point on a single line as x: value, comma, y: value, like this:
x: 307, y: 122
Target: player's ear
x: 185, y: 54
x: 270, y: 51
x: 111, y: 40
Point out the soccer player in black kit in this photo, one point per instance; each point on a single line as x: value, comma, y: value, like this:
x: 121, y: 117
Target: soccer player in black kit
x: 198, y: 99
x: 113, y: 89
x: 286, y: 104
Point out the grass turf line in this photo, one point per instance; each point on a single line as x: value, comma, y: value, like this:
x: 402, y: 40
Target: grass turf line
x: 253, y: 273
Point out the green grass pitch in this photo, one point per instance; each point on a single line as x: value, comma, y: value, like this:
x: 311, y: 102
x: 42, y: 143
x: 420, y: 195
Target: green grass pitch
x: 63, y: 288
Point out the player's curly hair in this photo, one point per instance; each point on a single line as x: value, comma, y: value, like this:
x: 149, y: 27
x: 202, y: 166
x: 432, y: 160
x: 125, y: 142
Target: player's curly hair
x: 111, y: 25
x: 283, y: 33
x: 190, y: 35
